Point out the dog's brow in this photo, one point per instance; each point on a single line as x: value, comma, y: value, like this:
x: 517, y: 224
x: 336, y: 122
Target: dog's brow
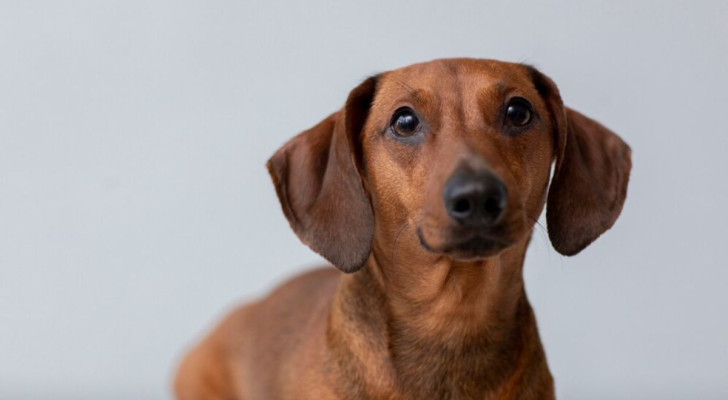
x: 406, y: 87
x: 496, y: 91
x: 419, y: 96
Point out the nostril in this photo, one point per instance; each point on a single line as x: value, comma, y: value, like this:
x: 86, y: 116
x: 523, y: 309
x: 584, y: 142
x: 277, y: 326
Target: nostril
x: 462, y: 206
x: 493, y: 206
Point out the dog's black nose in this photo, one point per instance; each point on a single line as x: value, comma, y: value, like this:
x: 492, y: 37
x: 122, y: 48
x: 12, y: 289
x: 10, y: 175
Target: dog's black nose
x: 475, y: 198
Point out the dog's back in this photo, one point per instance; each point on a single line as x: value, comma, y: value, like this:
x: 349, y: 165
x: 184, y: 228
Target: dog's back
x: 255, y: 343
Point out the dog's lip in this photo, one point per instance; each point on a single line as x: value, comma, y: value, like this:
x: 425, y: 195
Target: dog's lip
x: 470, y: 243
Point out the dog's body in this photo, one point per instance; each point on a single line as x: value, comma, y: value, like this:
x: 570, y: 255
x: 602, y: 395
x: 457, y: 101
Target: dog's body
x: 425, y: 187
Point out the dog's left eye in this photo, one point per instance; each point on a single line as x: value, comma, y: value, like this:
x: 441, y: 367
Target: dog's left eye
x: 404, y: 122
x: 518, y: 112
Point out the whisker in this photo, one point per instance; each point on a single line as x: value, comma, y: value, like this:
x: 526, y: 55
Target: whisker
x: 543, y: 234
x: 540, y: 225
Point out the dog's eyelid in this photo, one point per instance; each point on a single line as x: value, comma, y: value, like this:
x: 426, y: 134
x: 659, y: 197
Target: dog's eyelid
x: 403, y: 106
x: 531, y: 103
x: 397, y: 110
x: 515, y: 96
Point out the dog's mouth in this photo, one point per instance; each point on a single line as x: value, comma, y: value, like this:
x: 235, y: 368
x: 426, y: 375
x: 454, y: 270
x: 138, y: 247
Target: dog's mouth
x: 464, y: 244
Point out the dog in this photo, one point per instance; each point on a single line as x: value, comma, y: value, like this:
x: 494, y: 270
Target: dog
x: 424, y: 190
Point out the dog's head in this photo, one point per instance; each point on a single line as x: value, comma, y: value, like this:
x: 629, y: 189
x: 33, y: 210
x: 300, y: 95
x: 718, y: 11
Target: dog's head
x: 455, y: 156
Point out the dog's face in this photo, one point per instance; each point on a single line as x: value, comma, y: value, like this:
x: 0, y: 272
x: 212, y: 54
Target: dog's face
x: 459, y: 151
x: 455, y: 157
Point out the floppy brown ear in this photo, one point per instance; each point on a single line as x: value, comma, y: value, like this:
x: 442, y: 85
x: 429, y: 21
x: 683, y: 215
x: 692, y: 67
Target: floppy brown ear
x: 316, y: 176
x: 590, y: 179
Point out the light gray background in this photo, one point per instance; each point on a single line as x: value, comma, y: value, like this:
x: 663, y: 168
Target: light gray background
x: 135, y: 208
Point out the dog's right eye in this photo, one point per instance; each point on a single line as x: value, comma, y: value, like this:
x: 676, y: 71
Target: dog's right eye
x: 405, y: 123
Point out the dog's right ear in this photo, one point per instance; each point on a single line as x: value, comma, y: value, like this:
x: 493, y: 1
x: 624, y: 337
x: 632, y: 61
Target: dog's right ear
x: 317, y: 179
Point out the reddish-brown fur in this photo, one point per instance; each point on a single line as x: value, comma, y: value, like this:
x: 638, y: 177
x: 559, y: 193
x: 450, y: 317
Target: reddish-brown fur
x: 414, y: 318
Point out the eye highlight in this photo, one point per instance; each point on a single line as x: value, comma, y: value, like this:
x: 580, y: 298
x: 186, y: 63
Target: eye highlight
x: 519, y: 112
x: 404, y: 123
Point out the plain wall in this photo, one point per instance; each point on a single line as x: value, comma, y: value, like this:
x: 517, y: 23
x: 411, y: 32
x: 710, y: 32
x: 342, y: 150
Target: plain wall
x: 135, y: 208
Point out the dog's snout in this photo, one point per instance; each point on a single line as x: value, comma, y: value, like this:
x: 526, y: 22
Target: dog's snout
x: 475, y: 198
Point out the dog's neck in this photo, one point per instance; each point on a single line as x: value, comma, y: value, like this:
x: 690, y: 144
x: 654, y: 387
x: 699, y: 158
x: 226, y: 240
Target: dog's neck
x: 441, y: 329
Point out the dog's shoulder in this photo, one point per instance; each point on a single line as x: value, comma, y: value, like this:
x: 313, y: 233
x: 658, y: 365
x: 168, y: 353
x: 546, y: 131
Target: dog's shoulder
x: 254, y: 340
x: 315, y: 282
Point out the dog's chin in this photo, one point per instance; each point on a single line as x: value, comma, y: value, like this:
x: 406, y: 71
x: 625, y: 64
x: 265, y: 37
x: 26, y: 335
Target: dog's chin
x: 468, y: 246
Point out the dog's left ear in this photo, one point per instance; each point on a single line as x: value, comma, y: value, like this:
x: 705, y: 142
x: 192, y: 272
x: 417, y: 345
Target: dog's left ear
x: 316, y: 176
x: 590, y: 179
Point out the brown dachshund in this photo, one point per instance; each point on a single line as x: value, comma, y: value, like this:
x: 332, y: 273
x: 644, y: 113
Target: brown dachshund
x: 424, y: 189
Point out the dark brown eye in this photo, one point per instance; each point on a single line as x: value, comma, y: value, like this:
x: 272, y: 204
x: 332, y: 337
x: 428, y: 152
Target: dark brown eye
x: 404, y: 122
x: 518, y: 112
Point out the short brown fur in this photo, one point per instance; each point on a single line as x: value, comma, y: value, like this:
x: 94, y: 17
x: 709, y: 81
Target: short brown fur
x: 416, y: 318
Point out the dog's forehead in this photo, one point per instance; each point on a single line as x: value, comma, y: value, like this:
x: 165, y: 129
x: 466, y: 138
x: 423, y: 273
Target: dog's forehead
x: 452, y: 77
